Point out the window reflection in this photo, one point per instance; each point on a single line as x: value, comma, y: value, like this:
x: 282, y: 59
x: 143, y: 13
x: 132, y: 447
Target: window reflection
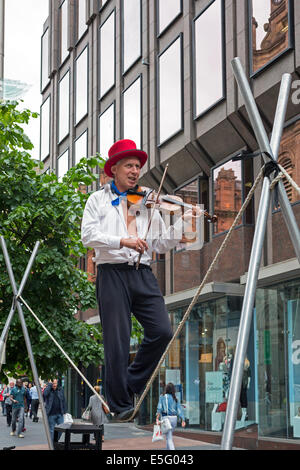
x: 45, y: 129
x: 107, y: 54
x: 132, y: 113
x: 289, y: 158
x: 227, y: 180
x: 45, y: 59
x: 269, y: 29
x: 190, y: 195
x: 81, y: 85
x: 81, y: 18
x: 170, y: 91
x: 209, y: 43
x: 106, y: 130
x: 167, y: 12
x: 64, y: 101
x: 81, y: 147
x: 62, y: 164
x: 63, y: 30
x: 131, y: 32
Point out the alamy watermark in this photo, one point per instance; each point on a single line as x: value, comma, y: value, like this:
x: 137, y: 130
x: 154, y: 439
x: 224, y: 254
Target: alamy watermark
x: 296, y: 93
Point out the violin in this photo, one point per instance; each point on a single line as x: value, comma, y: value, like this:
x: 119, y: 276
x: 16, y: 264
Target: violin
x: 166, y: 203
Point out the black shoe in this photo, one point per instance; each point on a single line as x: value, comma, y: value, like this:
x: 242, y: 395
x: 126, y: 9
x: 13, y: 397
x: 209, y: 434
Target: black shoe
x: 123, y: 415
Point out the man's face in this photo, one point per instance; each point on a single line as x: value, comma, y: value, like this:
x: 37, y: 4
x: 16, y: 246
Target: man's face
x: 54, y: 385
x: 19, y: 383
x: 126, y: 173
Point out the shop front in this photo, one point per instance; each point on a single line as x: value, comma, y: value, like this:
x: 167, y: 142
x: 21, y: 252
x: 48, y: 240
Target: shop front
x: 200, y: 362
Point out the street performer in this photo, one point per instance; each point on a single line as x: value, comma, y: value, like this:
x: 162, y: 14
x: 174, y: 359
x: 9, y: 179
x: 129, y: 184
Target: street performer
x: 117, y: 236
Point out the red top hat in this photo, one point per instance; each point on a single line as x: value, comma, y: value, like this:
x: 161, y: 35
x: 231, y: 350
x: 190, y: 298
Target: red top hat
x: 123, y: 149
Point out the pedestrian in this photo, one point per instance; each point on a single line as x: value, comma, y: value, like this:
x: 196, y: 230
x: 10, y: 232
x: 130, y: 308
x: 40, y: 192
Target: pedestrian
x: 28, y: 399
x: 8, y: 402
x: 98, y: 411
x: 34, y: 403
x: 116, y: 233
x: 17, y: 396
x: 55, y: 405
x: 2, y: 400
x: 169, y: 406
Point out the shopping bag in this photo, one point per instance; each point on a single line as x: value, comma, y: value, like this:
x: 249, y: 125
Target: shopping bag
x: 68, y: 418
x: 165, y: 425
x: 87, y: 415
x: 157, y: 434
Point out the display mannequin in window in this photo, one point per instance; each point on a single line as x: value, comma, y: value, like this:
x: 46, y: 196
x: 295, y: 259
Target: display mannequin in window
x: 118, y: 240
x: 244, y: 389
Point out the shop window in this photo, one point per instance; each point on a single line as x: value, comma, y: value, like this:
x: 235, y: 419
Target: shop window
x: 106, y: 130
x: 64, y: 106
x: 231, y: 183
x: 81, y: 86
x: 168, y: 11
x: 209, y: 40
x: 45, y: 129
x: 107, y: 55
x: 270, y: 31
x: 170, y: 99
x: 131, y: 32
x: 45, y: 59
x: 132, y: 112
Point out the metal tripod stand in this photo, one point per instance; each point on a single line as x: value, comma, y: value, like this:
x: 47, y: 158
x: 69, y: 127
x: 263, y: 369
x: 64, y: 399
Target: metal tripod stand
x: 17, y: 304
x: 271, y: 148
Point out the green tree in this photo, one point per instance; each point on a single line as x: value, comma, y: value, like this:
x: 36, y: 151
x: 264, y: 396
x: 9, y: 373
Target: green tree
x: 34, y: 205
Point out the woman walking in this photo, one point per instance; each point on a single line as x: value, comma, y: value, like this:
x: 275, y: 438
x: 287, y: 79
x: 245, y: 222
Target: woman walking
x: 168, y: 406
x: 98, y: 414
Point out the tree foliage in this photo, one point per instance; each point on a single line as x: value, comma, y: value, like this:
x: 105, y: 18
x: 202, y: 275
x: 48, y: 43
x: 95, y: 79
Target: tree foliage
x: 35, y: 206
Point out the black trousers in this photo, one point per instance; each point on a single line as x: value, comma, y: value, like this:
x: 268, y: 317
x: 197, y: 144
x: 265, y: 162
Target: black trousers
x: 122, y: 290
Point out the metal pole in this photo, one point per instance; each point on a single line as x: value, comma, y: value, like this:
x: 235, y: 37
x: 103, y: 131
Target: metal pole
x: 28, y: 344
x: 22, y: 285
x: 258, y: 239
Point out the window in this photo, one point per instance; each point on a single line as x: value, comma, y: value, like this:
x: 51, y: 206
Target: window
x: 63, y: 22
x: 64, y: 103
x: 170, y: 99
x: 289, y: 158
x: 231, y: 183
x: 81, y: 18
x: 81, y: 92
x: 132, y: 113
x: 270, y: 31
x: 45, y: 59
x: 168, y: 10
x: 45, y: 129
x: 107, y: 55
x: 62, y: 165
x: 209, y: 42
x: 131, y: 32
x: 81, y: 150
x: 106, y: 130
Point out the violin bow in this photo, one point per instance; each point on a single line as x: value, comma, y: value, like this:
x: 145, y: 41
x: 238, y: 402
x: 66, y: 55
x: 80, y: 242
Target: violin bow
x: 152, y: 211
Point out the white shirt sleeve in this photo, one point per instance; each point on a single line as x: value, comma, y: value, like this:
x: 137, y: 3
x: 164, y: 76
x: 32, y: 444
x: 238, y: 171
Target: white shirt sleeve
x: 92, y: 235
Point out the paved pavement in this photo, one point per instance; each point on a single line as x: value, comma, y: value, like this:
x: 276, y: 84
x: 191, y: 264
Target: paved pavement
x: 117, y: 436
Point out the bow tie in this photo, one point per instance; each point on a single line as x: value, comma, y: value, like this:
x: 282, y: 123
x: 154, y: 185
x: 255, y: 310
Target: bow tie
x: 115, y: 190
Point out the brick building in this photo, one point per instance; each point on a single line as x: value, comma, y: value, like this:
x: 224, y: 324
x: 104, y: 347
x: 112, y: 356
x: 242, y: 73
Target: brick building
x: 159, y: 72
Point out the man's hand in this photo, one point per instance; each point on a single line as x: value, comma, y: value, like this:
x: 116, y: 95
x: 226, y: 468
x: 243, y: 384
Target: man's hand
x: 136, y: 244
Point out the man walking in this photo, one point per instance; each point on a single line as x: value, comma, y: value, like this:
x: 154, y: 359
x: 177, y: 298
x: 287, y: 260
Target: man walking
x: 8, y: 402
x: 34, y: 403
x: 17, y: 396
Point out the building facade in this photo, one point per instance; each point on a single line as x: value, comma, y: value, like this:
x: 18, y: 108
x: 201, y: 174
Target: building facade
x: 159, y: 72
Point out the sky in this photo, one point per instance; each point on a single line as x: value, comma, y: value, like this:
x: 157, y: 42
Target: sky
x: 24, y: 21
